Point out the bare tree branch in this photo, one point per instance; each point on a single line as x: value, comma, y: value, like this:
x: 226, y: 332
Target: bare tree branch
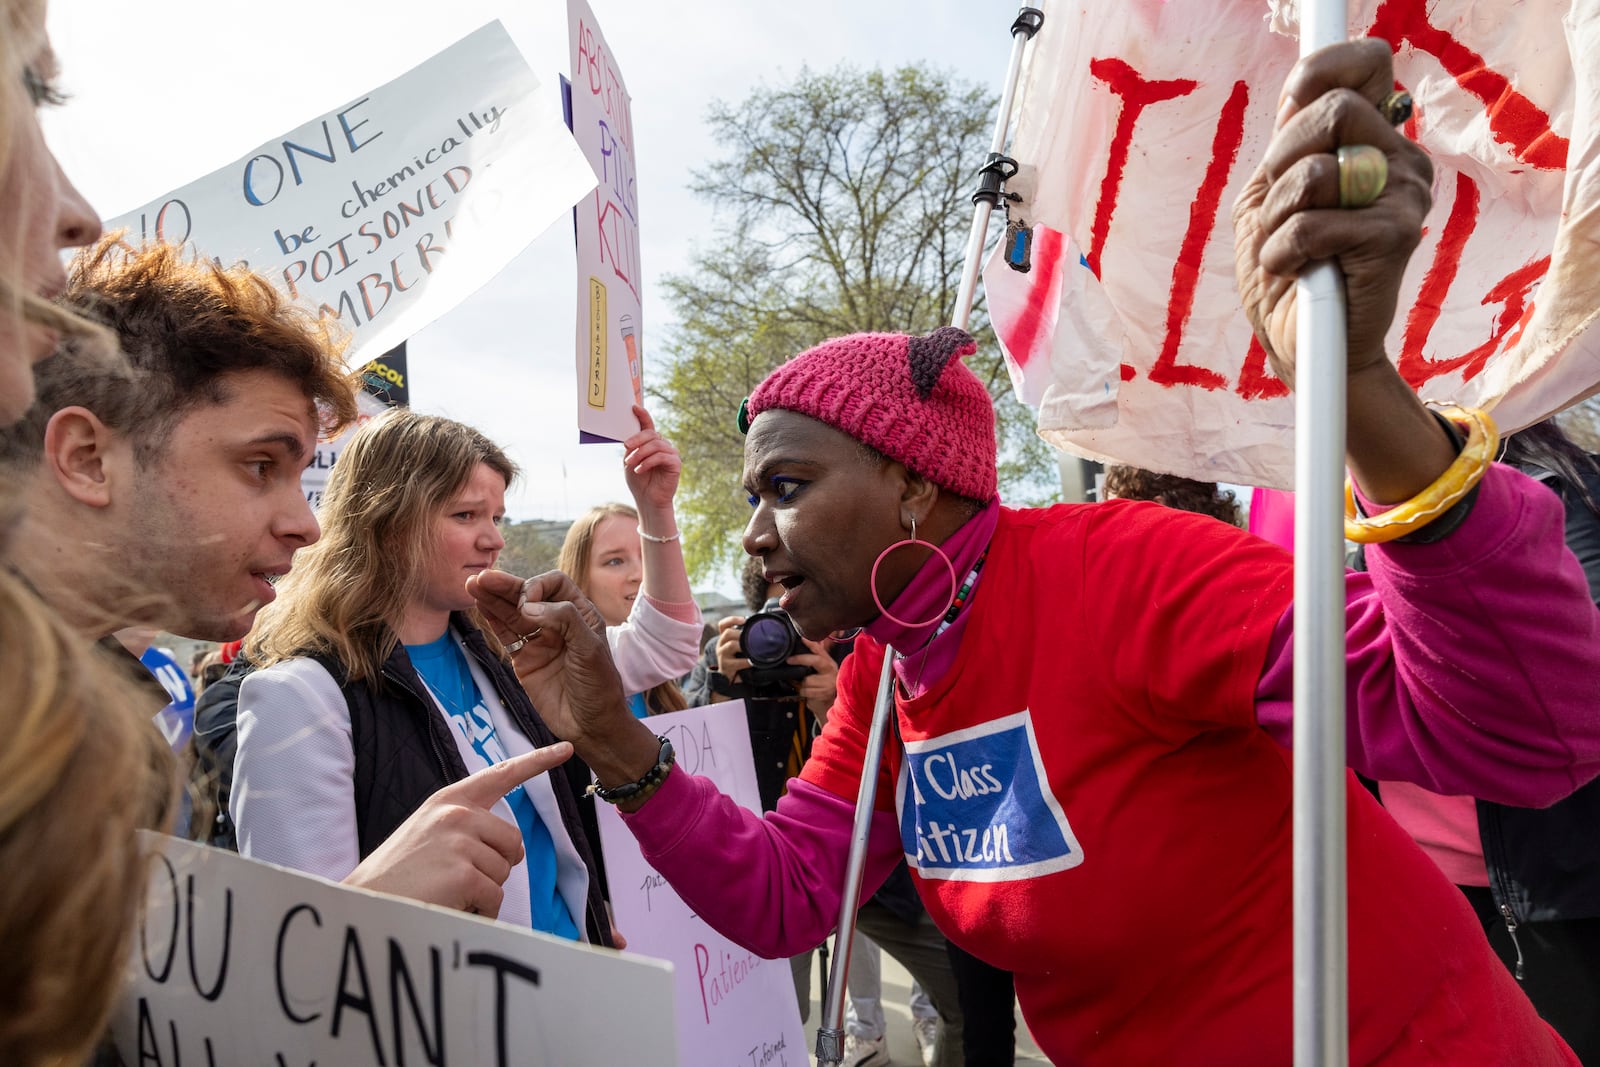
x: 842, y: 206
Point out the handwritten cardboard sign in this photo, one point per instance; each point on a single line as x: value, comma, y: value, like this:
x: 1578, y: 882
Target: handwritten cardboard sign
x: 1140, y: 121
x: 732, y: 1007
x: 610, y: 321
x: 388, y: 211
x: 240, y: 962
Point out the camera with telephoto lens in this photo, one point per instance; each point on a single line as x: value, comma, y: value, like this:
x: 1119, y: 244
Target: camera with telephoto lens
x: 767, y: 639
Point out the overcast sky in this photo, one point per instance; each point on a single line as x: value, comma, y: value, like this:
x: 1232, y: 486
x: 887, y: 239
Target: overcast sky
x: 165, y: 91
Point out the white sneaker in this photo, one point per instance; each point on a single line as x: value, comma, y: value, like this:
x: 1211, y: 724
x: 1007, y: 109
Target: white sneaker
x: 927, y: 1031
x: 865, y: 1052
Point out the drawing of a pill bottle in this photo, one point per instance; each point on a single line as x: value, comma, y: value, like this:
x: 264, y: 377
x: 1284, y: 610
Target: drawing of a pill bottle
x: 630, y: 341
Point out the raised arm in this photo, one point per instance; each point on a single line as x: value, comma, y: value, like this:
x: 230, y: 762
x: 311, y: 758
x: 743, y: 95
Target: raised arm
x: 1472, y: 650
x: 652, y: 467
x: 1471, y: 661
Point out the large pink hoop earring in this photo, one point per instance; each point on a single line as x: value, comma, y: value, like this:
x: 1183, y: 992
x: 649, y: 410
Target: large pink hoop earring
x: 872, y: 582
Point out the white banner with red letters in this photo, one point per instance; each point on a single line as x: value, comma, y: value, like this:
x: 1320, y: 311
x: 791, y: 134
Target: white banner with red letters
x: 1139, y: 122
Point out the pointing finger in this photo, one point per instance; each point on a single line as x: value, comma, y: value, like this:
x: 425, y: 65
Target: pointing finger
x: 482, y: 789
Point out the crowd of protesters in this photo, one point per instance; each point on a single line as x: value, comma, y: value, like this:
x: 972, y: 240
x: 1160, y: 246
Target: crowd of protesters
x: 393, y: 712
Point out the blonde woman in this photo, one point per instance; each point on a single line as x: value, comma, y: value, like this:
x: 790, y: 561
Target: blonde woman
x: 629, y: 562
x: 377, y: 689
x: 40, y: 212
x: 80, y: 770
x: 80, y: 766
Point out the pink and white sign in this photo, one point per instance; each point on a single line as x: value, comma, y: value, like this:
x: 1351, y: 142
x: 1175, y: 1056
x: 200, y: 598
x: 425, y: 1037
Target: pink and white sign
x: 1140, y: 120
x: 733, y: 1007
x: 610, y: 320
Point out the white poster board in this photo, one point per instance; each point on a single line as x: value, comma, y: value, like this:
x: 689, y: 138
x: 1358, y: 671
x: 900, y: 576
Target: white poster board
x: 733, y: 1007
x: 610, y: 322
x: 314, y: 479
x: 388, y: 211
x: 240, y: 962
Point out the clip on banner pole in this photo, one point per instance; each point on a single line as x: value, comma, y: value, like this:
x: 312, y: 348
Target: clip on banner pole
x: 996, y: 168
x: 1321, y: 971
x: 991, y: 178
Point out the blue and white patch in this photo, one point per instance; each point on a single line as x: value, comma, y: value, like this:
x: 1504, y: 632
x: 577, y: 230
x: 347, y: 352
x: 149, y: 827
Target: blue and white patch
x: 975, y: 806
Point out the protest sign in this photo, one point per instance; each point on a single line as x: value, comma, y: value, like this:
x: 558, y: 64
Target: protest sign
x: 1139, y: 123
x: 383, y: 385
x: 239, y: 962
x: 733, y: 1007
x: 176, y: 720
x: 388, y: 211
x: 610, y: 322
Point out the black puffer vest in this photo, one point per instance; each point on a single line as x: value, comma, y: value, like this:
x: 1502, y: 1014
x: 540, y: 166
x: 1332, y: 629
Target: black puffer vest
x: 404, y: 753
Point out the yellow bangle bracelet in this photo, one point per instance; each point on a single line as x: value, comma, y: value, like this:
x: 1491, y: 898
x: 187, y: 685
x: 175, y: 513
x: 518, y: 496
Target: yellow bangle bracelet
x: 1483, y: 439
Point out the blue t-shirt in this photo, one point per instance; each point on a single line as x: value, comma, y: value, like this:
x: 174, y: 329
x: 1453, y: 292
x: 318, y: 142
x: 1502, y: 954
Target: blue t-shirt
x: 443, y: 667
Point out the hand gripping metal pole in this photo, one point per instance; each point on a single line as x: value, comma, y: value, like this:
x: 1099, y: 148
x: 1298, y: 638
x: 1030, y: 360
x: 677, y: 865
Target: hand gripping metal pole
x: 830, y: 1034
x: 1321, y: 971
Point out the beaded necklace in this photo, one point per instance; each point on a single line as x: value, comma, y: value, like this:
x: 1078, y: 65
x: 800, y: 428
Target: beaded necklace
x: 962, y: 596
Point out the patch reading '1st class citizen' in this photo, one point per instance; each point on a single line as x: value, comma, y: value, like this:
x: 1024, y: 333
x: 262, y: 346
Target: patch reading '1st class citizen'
x: 975, y: 806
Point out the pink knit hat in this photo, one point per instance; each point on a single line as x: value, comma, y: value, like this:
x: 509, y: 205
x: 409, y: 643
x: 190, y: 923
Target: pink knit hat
x: 908, y: 397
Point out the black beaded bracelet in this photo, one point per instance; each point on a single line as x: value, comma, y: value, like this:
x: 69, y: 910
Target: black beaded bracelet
x: 645, y: 786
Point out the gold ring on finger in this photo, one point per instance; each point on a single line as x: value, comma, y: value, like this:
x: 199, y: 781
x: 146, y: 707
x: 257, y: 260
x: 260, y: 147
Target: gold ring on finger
x: 1363, y: 171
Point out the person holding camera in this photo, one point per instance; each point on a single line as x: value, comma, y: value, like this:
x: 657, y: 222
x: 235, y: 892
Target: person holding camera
x: 786, y: 682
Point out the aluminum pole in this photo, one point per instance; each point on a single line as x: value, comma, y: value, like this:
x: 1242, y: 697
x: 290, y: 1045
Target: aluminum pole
x: 1022, y: 31
x: 1321, y: 972
x: 830, y: 1034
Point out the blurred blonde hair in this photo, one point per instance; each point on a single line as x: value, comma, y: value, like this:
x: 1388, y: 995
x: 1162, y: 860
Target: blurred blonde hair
x: 347, y: 593
x: 81, y: 769
x: 22, y: 37
x: 577, y: 550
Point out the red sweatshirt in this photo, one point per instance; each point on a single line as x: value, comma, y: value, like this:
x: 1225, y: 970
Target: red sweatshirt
x: 1086, y: 798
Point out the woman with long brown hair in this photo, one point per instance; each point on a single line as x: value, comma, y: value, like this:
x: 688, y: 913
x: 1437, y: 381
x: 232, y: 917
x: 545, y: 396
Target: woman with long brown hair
x: 41, y: 214
x: 81, y: 767
x: 377, y: 688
